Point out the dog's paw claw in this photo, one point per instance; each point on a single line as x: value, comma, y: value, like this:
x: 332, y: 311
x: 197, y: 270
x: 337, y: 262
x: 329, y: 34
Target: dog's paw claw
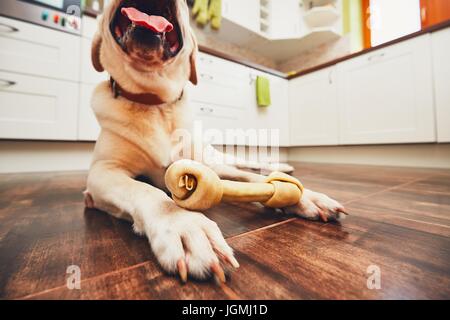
x: 182, y: 270
x: 190, y: 245
x: 317, y: 206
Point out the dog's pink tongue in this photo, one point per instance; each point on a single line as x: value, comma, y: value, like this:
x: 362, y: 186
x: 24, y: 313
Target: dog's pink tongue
x: 155, y: 23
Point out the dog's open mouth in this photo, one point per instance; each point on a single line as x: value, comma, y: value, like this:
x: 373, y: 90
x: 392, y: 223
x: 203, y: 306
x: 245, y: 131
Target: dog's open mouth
x: 154, y: 22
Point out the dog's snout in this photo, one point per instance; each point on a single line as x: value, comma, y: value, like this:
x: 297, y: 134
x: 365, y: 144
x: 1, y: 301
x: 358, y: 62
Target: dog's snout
x: 147, y: 38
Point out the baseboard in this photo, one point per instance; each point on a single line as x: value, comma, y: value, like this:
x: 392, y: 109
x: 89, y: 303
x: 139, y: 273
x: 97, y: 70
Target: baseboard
x: 44, y: 156
x: 411, y: 155
x: 47, y: 156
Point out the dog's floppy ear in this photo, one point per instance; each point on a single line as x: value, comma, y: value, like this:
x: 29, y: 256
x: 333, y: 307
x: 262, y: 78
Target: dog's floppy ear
x: 95, y: 52
x: 192, y: 59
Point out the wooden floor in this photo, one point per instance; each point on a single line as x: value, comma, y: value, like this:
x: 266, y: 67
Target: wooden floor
x: 400, y: 222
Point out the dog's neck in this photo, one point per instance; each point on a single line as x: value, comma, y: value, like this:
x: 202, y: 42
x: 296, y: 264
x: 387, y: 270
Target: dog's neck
x: 149, y: 99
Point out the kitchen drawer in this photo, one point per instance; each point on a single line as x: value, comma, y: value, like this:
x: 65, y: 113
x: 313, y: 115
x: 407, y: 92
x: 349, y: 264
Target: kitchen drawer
x: 217, y: 121
x: 37, y: 108
x: 35, y: 50
x: 210, y: 64
x: 221, y: 89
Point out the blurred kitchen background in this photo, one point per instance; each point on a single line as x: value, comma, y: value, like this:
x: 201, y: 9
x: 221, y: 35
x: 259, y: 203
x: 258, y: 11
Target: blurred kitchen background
x: 348, y: 81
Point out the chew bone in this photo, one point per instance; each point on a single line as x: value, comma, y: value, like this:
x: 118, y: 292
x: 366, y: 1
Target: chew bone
x: 194, y: 186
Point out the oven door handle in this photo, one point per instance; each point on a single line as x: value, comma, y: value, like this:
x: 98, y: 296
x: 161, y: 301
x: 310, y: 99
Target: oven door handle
x: 7, y: 28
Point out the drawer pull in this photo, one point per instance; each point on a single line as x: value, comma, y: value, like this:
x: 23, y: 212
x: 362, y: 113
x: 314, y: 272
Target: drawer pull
x: 7, y: 83
x: 207, y: 76
x: 206, y: 110
x: 4, y: 28
x: 205, y: 60
x: 379, y: 56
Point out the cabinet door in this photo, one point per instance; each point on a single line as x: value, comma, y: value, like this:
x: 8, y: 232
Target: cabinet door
x: 88, y: 73
x: 217, y: 124
x: 88, y: 127
x: 37, y: 108
x: 386, y: 96
x: 285, y: 19
x: 221, y: 82
x: 244, y: 13
x: 313, y: 109
x: 272, y: 122
x: 35, y: 50
x: 89, y: 27
x: 441, y: 66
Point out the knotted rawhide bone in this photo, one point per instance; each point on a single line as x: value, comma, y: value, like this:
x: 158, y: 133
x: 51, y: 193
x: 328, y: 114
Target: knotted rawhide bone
x: 194, y: 186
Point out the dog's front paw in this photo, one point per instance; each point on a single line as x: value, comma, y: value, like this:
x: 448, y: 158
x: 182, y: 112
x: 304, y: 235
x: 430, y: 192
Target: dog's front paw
x: 315, y: 206
x: 188, y: 243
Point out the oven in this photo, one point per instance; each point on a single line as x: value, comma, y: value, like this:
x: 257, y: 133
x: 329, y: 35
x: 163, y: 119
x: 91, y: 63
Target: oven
x: 62, y: 15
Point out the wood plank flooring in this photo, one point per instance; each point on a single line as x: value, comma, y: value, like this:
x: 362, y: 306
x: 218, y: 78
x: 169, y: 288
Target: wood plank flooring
x: 400, y: 222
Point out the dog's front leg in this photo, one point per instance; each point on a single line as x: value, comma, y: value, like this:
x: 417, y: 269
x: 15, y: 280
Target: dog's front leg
x: 181, y: 240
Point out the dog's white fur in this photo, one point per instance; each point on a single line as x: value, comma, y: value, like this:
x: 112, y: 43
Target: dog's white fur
x: 136, y: 140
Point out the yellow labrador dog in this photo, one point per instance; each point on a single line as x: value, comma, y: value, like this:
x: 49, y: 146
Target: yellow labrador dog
x: 149, y: 50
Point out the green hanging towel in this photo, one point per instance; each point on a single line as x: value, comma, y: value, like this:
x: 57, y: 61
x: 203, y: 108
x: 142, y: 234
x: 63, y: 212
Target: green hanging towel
x: 263, y: 91
x: 215, y: 14
x: 200, y: 10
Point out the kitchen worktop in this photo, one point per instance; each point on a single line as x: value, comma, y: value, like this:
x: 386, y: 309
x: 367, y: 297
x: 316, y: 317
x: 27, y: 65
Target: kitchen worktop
x: 399, y: 222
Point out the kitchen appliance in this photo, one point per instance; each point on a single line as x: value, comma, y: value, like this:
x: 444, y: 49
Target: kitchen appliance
x: 62, y: 15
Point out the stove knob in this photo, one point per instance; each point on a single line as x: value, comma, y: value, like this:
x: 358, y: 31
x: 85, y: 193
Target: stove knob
x: 55, y: 18
x: 44, y: 15
x: 74, y: 23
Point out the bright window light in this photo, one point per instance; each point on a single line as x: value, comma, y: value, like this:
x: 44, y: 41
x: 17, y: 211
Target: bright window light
x: 392, y: 19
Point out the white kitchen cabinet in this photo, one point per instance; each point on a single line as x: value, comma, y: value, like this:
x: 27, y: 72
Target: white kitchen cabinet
x: 219, y: 101
x: 221, y: 88
x: 313, y: 109
x: 35, y: 50
x: 386, y: 96
x: 37, y: 108
x: 244, y: 13
x: 88, y: 127
x: 441, y: 67
x: 89, y: 26
x: 87, y: 72
x: 272, y: 122
x: 285, y: 19
x: 225, y: 103
x: 217, y: 123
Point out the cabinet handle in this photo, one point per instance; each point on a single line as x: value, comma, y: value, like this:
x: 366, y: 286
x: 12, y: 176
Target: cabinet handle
x: 375, y: 56
x: 330, y: 77
x: 7, y: 28
x: 206, y: 76
x: 7, y: 83
x: 202, y: 59
x: 206, y: 110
